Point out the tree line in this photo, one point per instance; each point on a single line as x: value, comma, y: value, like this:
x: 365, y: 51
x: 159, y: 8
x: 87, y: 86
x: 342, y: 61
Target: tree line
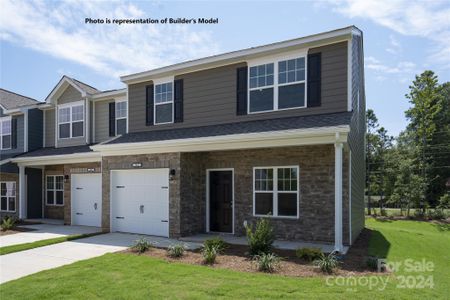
x: 412, y: 170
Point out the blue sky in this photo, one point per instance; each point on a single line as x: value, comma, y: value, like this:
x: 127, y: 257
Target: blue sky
x: 41, y: 41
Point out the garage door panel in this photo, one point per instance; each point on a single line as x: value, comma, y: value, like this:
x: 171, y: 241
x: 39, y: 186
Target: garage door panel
x: 86, y: 199
x: 142, y: 200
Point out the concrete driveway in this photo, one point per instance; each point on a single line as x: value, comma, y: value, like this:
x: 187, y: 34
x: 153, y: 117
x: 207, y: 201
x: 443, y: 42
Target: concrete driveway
x: 44, y: 232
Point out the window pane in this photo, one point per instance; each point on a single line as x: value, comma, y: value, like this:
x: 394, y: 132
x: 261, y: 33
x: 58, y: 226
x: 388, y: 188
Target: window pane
x: 4, y: 203
x: 291, y: 95
x: 292, y: 70
x: 12, y: 203
x: 59, y: 197
x: 261, y: 75
x: 50, y: 182
x: 77, y: 113
x: 64, y: 114
x: 77, y: 129
x: 3, y: 189
x: 163, y: 93
x: 121, y: 126
x: 164, y: 113
x: 261, y: 100
x: 6, y: 127
x: 287, y: 204
x: 59, y: 184
x: 264, y: 203
x: 6, y: 141
x: 10, y: 189
x: 50, y: 196
x: 121, y: 109
x: 64, y: 130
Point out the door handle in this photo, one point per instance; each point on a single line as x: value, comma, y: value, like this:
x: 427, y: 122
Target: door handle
x: 165, y: 221
x: 141, y: 209
x: 95, y: 205
x: 165, y: 187
x: 120, y: 217
x: 120, y: 186
x: 78, y: 188
x: 79, y: 214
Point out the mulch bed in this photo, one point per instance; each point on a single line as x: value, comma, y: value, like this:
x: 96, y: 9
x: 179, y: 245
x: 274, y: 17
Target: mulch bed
x: 235, y: 258
x: 15, y: 230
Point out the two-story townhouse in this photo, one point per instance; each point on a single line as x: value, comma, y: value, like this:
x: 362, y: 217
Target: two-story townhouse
x: 20, y: 121
x: 75, y: 116
x: 215, y: 143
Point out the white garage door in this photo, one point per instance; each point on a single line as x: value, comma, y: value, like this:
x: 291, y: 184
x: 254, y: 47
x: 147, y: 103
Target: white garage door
x: 140, y: 201
x: 86, y: 199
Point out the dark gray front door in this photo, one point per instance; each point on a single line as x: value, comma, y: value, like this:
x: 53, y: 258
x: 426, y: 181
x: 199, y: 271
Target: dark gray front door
x: 221, y: 201
x: 34, y: 193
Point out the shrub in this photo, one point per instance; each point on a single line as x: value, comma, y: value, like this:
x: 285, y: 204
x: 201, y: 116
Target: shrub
x: 267, y: 262
x: 383, y: 212
x: 261, y: 239
x: 419, y: 213
x: 8, y: 223
x: 444, y: 201
x: 309, y: 254
x: 327, y: 263
x: 176, y: 251
x: 216, y: 242
x: 436, y: 214
x: 372, y: 263
x: 141, y: 245
x: 209, y: 254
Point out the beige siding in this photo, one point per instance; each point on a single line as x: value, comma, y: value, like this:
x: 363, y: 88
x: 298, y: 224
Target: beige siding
x: 49, y: 128
x: 102, y: 121
x: 210, y: 95
x: 70, y: 95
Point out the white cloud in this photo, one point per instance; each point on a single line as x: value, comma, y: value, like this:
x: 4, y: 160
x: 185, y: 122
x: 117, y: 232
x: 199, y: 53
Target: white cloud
x: 394, y: 45
x: 401, y: 71
x: 58, y: 28
x: 427, y: 19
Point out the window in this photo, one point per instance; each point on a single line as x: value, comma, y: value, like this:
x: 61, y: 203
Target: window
x: 164, y: 103
x: 5, y: 133
x: 275, y: 192
x: 121, y: 117
x: 8, y: 196
x: 278, y: 85
x: 55, y: 190
x: 71, y: 121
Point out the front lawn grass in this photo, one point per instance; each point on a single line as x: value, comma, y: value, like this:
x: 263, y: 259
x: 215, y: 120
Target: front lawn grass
x: 42, y: 243
x: 127, y: 276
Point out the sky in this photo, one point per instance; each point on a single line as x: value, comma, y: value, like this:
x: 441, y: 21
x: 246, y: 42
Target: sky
x: 40, y: 41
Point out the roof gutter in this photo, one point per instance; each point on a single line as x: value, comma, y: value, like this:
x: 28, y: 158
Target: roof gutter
x: 57, y: 159
x: 282, y: 138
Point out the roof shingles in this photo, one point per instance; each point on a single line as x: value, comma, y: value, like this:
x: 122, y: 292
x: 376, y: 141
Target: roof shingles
x: 11, y: 100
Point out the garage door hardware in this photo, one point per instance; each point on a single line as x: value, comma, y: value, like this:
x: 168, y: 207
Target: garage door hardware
x: 78, y: 188
x: 95, y: 206
x: 165, y: 187
x: 79, y: 214
x: 165, y: 221
x: 120, y: 217
x: 120, y: 186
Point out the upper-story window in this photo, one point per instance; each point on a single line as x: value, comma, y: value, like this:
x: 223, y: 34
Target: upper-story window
x: 71, y: 120
x: 277, y: 85
x: 121, y: 117
x: 163, y: 103
x: 5, y: 133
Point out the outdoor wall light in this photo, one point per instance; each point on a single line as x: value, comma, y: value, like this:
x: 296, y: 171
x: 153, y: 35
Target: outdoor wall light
x: 66, y: 178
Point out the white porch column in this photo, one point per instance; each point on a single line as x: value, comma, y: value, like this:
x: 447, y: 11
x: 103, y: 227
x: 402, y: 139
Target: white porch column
x: 338, y: 246
x: 22, y: 194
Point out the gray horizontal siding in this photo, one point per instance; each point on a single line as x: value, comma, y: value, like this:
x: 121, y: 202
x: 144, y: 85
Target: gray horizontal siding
x: 102, y: 121
x: 49, y: 128
x: 70, y: 95
x: 210, y: 95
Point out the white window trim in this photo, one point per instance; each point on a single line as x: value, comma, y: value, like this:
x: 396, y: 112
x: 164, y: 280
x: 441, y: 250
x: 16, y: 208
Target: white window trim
x: 121, y: 118
x: 275, y: 59
x: 168, y: 102
x: 7, y: 197
x: 54, y: 190
x: 71, y: 105
x: 2, y: 119
x: 275, y: 192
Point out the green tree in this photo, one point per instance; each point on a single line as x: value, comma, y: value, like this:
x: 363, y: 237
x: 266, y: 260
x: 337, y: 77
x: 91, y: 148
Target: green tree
x: 371, y: 125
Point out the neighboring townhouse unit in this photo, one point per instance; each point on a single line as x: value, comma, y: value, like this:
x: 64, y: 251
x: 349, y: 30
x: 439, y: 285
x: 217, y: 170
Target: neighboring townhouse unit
x: 20, y: 131
x: 212, y: 144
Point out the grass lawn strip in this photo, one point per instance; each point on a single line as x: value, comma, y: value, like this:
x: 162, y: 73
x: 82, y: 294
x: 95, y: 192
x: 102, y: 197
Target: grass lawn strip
x: 127, y: 276
x: 42, y: 243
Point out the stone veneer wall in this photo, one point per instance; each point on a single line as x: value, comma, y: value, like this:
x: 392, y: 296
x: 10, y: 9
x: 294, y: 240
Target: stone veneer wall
x: 11, y: 177
x: 149, y: 161
x: 316, y: 163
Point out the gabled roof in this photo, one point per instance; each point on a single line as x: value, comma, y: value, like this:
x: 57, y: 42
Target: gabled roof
x: 10, y: 100
x: 258, y: 126
x: 65, y: 81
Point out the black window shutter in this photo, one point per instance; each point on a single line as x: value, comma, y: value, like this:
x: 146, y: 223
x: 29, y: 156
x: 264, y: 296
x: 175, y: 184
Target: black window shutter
x: 241, y: 91
x: 149, y: 105
x: 13, y: 133
x: 178, y: 101
x: 314, y: 79
x: 112, y: 119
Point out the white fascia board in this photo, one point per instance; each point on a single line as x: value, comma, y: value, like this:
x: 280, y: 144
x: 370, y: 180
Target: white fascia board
x: 5, y: 161
x: 58, y: 159
x: 236, y: 56
x: 298, y: 137
x: 63, y: 83
x: 108, y: 95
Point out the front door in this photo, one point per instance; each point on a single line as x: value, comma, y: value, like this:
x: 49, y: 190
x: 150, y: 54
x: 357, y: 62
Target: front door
x: 34, y: 193
x: 221, y: 201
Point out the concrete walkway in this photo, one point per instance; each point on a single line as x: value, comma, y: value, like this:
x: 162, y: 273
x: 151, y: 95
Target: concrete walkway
x: 20, y: 264
x: 44, y: 232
